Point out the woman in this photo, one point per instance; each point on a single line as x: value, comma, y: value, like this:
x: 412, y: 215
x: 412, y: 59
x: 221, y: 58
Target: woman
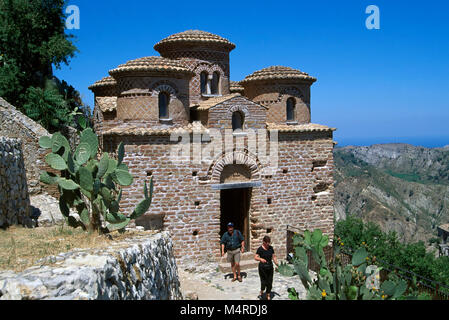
x: 265, y: 255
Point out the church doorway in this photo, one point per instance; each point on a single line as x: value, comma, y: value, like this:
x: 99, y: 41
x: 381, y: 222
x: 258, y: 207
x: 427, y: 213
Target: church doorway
x: 234, y: 207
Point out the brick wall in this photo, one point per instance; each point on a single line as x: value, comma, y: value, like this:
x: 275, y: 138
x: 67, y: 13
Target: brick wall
x: 274, y: 95
x: 199, y: 59
x: 220, y: 116
x: 138, y: 98
x: 299, y: 192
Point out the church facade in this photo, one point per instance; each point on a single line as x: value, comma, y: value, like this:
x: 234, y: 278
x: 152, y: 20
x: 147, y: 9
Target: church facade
x: 254, y: 157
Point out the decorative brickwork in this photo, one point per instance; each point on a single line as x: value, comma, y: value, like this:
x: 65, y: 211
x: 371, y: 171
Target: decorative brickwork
x: 192, y: 199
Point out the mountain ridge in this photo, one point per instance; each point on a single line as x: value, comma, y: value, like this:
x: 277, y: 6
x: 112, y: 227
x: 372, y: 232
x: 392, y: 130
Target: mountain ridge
x: 401, y: 187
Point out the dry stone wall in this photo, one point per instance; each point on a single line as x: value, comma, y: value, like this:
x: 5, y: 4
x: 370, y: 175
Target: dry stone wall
x: 14, y: 124
x: 139, y: 268
x: 14, y: 198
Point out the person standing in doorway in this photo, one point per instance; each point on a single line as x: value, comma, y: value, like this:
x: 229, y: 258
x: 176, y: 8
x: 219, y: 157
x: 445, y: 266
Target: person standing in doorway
x: 234, y: 243
x: 265, y: 255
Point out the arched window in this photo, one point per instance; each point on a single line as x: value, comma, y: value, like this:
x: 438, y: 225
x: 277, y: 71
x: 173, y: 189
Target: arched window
x: 237, y: 120
x: 164, y: 100
x: 203, y: 78
x: 291, y: 106
x: 215, y: 83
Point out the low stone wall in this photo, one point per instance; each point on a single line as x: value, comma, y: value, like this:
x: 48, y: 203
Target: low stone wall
x: 14, y: 124
x: 14, y: 198
x: 139, y: 268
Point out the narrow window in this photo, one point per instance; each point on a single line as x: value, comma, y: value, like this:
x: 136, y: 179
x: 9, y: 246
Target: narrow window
x: 203, y: 79
x: 291, y: 103
x: 237, y: 121
x: 164, y: 100
x: 215, y: 83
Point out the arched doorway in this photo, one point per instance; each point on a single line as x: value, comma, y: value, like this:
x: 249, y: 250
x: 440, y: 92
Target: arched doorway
x: 235, y: 200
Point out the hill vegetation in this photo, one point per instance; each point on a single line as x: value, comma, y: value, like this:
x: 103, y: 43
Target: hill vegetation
x: 399, y: 187
x: 390, y: 251
x: 32, y: 42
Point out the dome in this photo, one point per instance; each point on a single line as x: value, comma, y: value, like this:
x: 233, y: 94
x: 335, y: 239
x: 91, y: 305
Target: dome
x: 278, y: 73
x: 105, y: 82
x: 193, y: 37
x: 150, y: 64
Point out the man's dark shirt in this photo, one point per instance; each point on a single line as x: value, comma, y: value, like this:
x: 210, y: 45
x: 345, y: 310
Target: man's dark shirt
x: 232, y: 242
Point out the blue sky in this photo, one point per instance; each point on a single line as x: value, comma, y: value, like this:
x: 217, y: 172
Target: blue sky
x: 375, y: 86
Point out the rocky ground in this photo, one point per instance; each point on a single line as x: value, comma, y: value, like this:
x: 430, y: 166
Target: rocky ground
x: 202, y: 281
x: 205, y: 282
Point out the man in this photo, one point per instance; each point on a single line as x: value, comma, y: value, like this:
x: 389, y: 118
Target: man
x: 234, y: 243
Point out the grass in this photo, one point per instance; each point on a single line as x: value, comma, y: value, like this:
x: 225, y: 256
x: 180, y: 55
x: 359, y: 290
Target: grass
x: 21, y: 248
x: 411, y: 177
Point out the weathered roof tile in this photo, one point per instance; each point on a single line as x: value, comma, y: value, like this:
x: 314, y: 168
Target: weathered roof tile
x: 278, y: 73
x: 193, y: 37
x: 150, y: 64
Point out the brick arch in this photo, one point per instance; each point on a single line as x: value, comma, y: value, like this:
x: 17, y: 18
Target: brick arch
x: 242, y: 109
x: 242, y: 157
x: 164, y: 87
x: 210, y: 68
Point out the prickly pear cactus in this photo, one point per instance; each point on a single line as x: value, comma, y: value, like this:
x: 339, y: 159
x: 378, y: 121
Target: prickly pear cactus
x: 333, y: 281
x: 92, y: 187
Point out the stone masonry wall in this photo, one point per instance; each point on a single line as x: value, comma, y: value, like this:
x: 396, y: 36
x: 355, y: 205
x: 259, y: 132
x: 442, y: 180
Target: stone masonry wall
x: 299, y: 192
x: 220, y: 116
x: 14, y: 198
x: 14, y: 124
x: 139, y: 268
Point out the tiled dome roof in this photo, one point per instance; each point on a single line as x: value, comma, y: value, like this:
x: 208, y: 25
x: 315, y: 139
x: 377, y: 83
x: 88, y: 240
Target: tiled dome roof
x: 278, y: 73
x: 235, y: 86
x: 150, y: 64
x: 194, y: 37
x: 105, y: 82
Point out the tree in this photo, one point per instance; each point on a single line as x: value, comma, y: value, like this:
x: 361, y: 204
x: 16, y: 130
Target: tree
x: 32, y: 41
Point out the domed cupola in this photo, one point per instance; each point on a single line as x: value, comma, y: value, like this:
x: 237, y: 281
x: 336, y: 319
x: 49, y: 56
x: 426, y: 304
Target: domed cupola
x: 204, y: 53
x: 153, y: 90
x: 193, y: 38
x: 149, y: 66
x: 276, y: 73
x: 284, y: 90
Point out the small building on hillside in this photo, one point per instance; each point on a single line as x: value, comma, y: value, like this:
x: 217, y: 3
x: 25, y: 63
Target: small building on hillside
x: 148, y: 103
x: 443, y: 233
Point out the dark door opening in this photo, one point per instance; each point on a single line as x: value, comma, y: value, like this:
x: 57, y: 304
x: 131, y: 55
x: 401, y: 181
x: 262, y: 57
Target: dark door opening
x: 234, y: 205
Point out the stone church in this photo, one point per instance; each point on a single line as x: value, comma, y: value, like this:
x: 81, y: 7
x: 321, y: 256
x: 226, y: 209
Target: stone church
x: 143, y: 102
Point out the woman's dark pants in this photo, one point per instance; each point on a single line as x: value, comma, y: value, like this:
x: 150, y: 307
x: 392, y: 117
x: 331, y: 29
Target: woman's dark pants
x: 266, y: 277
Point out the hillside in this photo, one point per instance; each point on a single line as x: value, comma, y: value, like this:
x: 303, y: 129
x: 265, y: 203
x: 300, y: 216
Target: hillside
x: 398, y: 186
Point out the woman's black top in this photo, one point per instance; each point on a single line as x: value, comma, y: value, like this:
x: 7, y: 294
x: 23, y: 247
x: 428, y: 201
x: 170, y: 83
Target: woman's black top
x: 267, y: 255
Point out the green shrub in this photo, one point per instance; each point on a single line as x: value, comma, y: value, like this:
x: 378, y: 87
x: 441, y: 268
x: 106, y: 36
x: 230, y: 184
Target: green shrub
x: 414, y: 257
x: 333, y: 280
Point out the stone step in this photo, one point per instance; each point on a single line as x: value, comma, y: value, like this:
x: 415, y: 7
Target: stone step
x: 247, y: 256
x: 244, y: 265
